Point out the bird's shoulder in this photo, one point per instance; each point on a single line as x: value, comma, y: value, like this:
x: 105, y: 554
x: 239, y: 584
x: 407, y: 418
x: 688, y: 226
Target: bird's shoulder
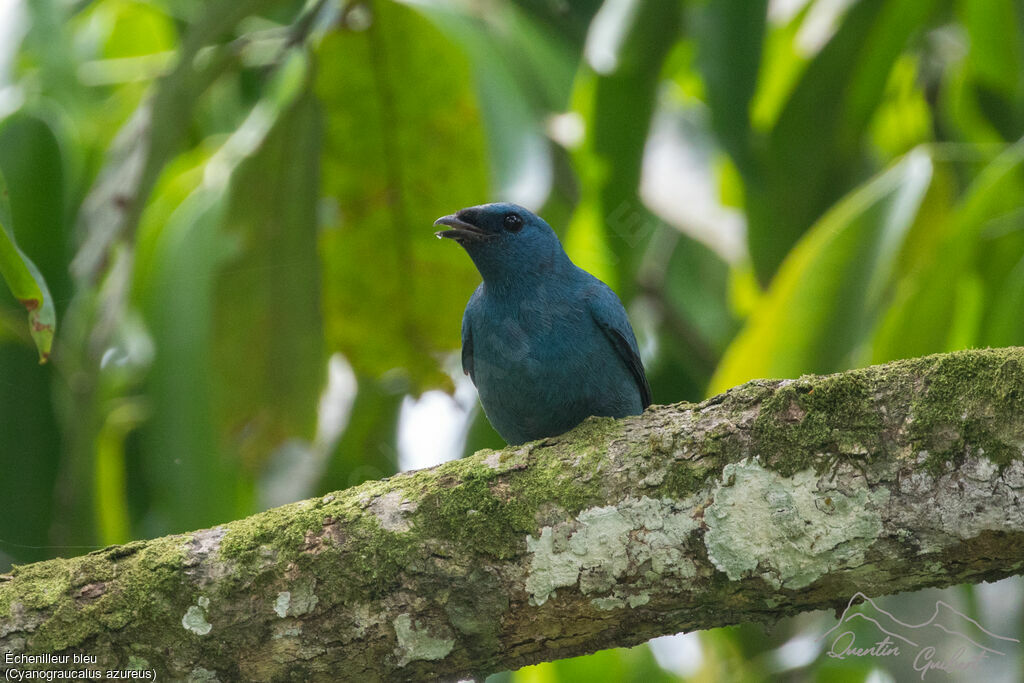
x: 475, y: 302
x: 604, y: 303
x: 472, y: 311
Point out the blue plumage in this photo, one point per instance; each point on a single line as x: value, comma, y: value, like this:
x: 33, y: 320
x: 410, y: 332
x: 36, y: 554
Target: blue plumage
x: 546, y: 343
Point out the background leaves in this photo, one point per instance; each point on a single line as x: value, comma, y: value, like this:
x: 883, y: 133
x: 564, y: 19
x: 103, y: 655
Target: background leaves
x: 230, y: 204
x: 400, y: 152
x: 847, y: 260
x: 25, y: 281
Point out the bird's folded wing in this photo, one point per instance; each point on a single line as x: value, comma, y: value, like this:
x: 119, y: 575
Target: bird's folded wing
x: 612, y: 321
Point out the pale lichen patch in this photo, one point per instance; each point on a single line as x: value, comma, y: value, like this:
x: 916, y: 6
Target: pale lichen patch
x: 1013, y: 475
x: 493, y: 460
x: 980, y: 469
x: 549, y: 569
x: 302, y: 598
x: 202, y: 561
x: 793, y: 530
x: 284, y: 599
x: 608, y: 603
x: 195, y: 620
x: 961, y: 504
x: 206, y: 542
x: 654, y: 478
x: 620, y: 598
x: 20, y: 619
x: 609, y: 542
x: 391, y: 511
x: 415, y: 642
x: 201, y: 675
x: 287, y: 632
x: 363, y: 619
x: 639, y: 599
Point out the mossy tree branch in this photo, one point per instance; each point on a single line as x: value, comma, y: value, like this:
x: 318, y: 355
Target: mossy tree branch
x: 774, y: 498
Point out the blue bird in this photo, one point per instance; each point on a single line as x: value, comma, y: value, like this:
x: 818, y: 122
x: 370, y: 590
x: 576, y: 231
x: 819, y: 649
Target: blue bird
x: 546, y: 343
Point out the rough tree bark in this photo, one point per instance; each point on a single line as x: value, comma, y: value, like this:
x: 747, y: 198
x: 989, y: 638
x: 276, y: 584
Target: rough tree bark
x: 774, y: 498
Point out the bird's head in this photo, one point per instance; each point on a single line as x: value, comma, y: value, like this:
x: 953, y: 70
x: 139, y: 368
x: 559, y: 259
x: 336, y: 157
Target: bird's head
x: 505, y: 241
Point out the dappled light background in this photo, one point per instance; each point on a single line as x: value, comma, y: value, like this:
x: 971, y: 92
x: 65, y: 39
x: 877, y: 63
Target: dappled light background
x: 231, y: 205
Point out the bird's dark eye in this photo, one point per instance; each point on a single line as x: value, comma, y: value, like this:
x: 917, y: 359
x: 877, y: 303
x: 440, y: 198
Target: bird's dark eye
x: 513, y: 223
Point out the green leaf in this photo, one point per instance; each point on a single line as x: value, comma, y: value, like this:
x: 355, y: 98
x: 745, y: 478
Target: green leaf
x: 368, y: 448
x: 403, y: 146
x: 1006, y: 324
x: 136, y: 29
x: 696, y: 311
x: 729, y: 36
x: 178, y: 276
x: 33, y: 162
x: 567, y: 20
x: 626, y: 665
x: 110, y: 485
x: 783, y: 62
x: 996, y: 37
x: 611, y: 225
x: 25, y: 281
x: 268, y: 350
x: 183, y: 460
x: 153, y: 134
x: 994, y: 65
x: 831, y: 287
x: 926, y: 306
x: 903, y: 119
x: 813, y: 148
x: 522, y: 73
x: 30, y: 450
x: 30, y: 439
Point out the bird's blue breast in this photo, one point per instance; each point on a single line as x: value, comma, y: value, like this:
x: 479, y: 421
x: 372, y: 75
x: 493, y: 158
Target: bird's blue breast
x: 542, y: 365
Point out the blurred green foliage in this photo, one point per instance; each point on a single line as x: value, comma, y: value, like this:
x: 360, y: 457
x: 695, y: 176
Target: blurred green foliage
x: 25, y: 281
x: 210, y: 199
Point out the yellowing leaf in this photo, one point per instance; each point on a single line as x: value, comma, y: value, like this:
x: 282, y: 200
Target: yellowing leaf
x: 403, y: 146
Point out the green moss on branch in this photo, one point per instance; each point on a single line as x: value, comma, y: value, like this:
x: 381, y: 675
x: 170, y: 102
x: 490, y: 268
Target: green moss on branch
x: 897, y: 476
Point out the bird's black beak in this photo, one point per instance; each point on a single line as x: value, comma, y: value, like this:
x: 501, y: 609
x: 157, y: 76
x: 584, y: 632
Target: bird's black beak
x: 459, y: 230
